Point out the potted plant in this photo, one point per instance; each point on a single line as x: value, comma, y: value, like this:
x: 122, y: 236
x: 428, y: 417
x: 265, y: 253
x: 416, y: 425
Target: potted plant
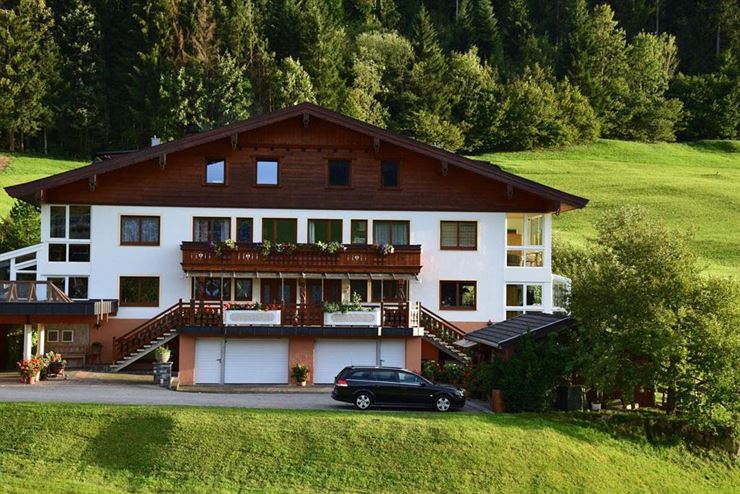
x: 162, y: 354
x: 30, y: 369
x: 300, y: 373
x: 55, y: 363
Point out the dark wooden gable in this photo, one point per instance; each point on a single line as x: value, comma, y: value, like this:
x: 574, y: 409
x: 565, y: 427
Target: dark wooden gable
x: 303, y: 147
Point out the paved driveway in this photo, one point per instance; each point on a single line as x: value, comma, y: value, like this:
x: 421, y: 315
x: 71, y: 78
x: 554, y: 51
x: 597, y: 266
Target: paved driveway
x: 135, y: 391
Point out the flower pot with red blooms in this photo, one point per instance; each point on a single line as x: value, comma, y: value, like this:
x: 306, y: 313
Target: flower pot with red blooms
x: 30, y: 369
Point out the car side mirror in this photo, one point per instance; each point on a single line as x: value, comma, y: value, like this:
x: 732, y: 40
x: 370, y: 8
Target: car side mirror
x: 422, y: 384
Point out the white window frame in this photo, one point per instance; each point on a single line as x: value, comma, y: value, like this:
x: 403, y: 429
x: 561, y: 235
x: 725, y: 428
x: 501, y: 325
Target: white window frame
x: 525, y: 248
x: 66, y: 278
x: 49, y: 334
x: 525, y: 308
x: 66, y: 241
x: 70, y: 332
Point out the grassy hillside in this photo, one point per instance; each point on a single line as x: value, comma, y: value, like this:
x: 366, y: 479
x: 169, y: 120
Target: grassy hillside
x: 104, y: 448
x: 694, y: 186
x: 17, y: 169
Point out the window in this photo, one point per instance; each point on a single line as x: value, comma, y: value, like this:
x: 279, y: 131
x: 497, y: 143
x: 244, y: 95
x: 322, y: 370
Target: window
x: 406, y: 378
x: 68, y: 336
x: 339, y: 173
x: 71, y: 226
x: 211, y: 229
x: 58, y: 221
x: 52, y: 336
x: 359, y: 232
x: 389, y: 174
x: 324, y: 231
x: 216, y: 171
x: 524, y: 246
x: 457, y: 295
x: 391, y: 232
x: 243, y: 289
x: 79, y: 222
x: 279, y: 230
x: 79, y: 253
x: 521, y: 298
x: 388, y: 291
x: 244, y: 231
x: 212, y: 288
x: 384, y: 376
x: 458, y: 235
x: 57, y: 252
x: 267, y: 173
x: 139, y: 291
x: 358, y: 287
x: 76, y: 287
x: 139, y: 230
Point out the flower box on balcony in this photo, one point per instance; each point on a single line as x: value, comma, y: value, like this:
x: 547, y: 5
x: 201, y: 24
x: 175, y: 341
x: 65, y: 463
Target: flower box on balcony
x: 241, y: 317
x: 352, y: 318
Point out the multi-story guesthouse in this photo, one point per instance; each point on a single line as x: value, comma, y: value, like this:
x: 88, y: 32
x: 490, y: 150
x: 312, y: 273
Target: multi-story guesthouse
x: 298, y: 236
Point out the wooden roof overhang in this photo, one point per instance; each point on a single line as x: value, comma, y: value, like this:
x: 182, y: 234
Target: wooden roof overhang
x: 34, y: 191
x: 506, y: 333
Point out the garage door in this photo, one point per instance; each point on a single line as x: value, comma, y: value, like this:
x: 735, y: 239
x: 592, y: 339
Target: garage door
x: 251, y: 361
x: 331, y: 356
x: 393, y: 353
x: 208, y: 360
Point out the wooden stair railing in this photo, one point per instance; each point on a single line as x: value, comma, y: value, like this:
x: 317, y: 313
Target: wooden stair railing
x: 441, y: 328
x: 182, y: 313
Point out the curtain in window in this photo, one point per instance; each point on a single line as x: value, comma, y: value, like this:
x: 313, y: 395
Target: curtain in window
x: 130, y: 230
x: 150, y: 230
x: 400, y: 233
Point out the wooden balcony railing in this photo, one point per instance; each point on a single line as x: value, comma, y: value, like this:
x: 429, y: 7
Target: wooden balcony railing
x: 304, y: 258
x: 210, y: 314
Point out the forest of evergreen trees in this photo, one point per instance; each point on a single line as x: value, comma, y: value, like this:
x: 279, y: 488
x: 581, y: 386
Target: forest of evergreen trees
x: 78, y: 76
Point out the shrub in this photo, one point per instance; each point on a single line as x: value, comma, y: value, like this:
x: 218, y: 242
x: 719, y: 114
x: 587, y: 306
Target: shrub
x: 528, y: 378
x: 299, y: 372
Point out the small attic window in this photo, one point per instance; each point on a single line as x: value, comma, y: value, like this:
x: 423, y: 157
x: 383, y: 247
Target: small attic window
x: 216, y: 171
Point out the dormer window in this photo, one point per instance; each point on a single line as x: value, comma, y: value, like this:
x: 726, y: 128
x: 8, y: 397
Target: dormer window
x: 216, y: 171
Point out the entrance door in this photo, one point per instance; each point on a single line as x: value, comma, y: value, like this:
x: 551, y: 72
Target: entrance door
x: 208, y: 360
x: 393, y: 353
x: 270, y: 291
x: 332, y: 291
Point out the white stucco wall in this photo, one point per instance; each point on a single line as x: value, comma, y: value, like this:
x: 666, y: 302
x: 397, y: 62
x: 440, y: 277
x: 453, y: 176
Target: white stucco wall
x: 109, y: 260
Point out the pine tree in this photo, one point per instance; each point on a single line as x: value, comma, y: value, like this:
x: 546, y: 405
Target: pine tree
x: 81, y: 99
x: 428, y: 88
x: 28, y: 58
x: 593, y: 56
x: 481, y: 30
x: 520, y: 43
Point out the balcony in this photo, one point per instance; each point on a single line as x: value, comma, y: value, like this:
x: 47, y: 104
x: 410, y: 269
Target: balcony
x: 299, y: 258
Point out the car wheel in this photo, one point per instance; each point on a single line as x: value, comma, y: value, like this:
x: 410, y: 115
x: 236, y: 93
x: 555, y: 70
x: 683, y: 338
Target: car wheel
x: 442, y: 403
x: 363, y: 401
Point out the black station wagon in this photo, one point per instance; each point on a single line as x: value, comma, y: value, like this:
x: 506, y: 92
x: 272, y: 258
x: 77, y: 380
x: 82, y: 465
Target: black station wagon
x: 370, y: 386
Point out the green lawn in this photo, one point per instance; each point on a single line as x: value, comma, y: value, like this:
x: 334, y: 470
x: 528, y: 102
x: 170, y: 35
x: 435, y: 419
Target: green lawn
x: 693, y: 186
x: 24, y: 168
x: 108, y: 448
